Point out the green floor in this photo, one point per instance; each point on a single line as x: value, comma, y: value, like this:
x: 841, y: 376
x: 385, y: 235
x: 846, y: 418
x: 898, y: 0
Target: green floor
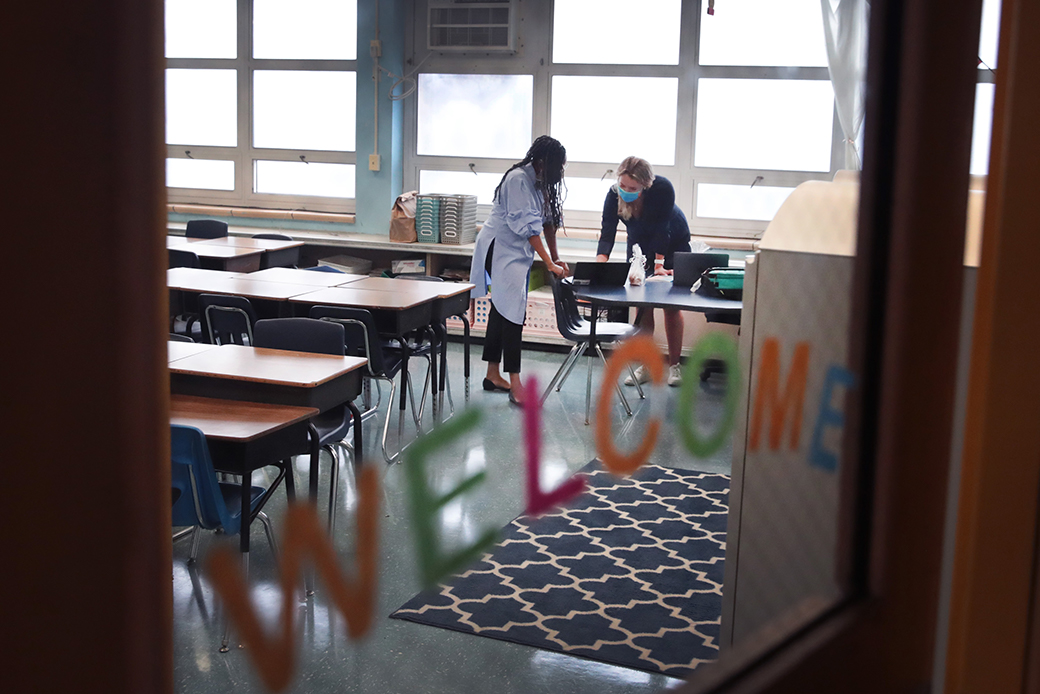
x: 399, y: 656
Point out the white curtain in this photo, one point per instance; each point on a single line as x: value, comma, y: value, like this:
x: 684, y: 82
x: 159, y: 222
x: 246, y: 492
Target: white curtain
x: 845, y: 31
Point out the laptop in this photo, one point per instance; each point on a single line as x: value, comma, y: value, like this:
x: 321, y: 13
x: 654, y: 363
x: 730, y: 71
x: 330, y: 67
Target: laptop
x: 688, y: 267
x: 596, y: 274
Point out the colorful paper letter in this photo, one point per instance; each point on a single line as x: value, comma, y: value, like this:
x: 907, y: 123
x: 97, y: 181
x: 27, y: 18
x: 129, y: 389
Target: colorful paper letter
x: 433, y: 565
x: 639, y: 349
x: 829, y: 417
x: 304, y: 537
x: 711, y: 345
x: 766, y: 395
x: 537, y: 500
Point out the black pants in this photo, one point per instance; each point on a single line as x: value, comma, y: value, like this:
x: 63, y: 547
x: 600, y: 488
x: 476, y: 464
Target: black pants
x: 502, y: 335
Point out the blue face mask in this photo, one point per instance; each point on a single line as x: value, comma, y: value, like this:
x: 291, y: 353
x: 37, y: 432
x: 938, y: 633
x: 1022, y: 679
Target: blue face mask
x: 627, y: 196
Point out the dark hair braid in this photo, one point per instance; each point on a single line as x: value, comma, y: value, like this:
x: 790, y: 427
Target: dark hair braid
x: 552, y: 156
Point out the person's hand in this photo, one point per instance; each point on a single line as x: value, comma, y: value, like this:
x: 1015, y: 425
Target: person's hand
x: 558, y: 270
x: 659, y: 270
x: 602, y: 258
x: 566, y: 268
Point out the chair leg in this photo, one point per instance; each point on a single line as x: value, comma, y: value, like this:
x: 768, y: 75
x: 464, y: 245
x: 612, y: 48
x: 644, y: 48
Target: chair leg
x: 386, y: 422
x: 266, y: 522
x: 333, y: 487
x: 588, y: 392
x: 227, y: 621
x: 196, y: 538
x: 579, y: 348
x: 621, y: 394
x: 556, y: 376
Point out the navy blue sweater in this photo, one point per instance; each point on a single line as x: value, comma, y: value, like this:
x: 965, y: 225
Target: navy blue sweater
x: 660, y: 228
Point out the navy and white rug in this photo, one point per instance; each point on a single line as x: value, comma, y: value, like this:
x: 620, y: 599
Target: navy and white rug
x: 629, y: 573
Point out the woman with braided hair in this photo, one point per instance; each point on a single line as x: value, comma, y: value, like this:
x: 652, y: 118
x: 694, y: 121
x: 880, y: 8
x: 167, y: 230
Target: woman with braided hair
x: 527, y: 203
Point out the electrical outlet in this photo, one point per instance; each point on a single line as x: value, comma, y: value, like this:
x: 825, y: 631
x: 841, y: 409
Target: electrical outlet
x: 375, y: 48
x: 373, y: 162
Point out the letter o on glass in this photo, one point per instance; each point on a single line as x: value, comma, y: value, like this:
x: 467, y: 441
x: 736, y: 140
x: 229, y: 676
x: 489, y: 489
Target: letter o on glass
x: 639, y: 349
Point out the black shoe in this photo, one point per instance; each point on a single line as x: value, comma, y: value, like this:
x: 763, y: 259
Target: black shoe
x: 492, y: 386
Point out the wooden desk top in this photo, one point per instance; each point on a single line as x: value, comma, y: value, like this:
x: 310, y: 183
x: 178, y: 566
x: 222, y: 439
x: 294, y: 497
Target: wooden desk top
x: 246, y: 242
x: 365, y: 298
x: 234, y: 420
x: 272, y: 366
x: 440, y: 290
x: 179, y: 350
x: 176, y: 276
x: 290, y: 275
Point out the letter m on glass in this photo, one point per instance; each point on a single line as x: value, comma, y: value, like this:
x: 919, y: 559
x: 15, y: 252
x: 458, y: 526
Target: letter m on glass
x: 779, y: 404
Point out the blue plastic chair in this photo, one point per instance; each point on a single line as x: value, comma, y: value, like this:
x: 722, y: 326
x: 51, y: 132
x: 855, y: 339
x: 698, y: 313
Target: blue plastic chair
x: 199, y: 500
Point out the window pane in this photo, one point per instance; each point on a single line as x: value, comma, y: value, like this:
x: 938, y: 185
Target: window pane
x: 208, y: 174
x: 740, y: 202
x: 460, y: 183
x: 988, y: 34
x: 305, y: 29
x: 475, y: 115
x: 586, y: 194
x: 764, y: 124
x: 609, y: 31
x: 981, y: 129
x: 579, y: 118
x: 299, y: 178
x: 301, y: 109
x: 764, y: 32
x: 201, y: 29
x: 201, y: 107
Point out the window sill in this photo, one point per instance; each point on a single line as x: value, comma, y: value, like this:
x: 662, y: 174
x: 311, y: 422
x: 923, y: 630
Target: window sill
x: 256, y: 213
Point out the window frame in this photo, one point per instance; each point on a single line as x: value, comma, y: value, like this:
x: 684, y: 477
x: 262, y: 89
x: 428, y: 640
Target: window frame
x: 534, y: 57
x: 245, y: 154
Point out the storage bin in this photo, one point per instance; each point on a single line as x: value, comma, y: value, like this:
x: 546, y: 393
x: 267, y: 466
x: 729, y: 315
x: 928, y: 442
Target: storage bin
x: 348, y: 263
x: 428, y: 218
x: 458, y: 219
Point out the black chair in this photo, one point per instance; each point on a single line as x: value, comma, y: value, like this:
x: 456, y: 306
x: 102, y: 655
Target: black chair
x: 440, y: 333
x: 181, y: 258
x: 574, y: 327
x: 717, y: 366
x: 286, y: 257
x: 319, y: 337
x: 227, y: 319
x: 177, y: 337
x: 206, y: 229
x: 361, y: 339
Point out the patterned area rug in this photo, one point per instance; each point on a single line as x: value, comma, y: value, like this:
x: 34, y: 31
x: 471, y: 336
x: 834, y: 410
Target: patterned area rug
x: 629, y: 573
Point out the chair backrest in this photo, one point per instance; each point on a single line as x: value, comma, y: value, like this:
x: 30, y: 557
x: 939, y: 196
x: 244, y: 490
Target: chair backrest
x: 287, y: 257
x: 568, y: 319
x: 196, y: 493
x: 227, y: 319
x: 300, y: 335
x: 206, y: 229
x: 179, y: 258
x: 177, y: 337
x: 360, y: 336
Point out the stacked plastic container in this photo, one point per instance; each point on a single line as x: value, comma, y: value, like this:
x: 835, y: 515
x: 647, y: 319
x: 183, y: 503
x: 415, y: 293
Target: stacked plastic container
x: 428, y: 218
x: 458, y: 219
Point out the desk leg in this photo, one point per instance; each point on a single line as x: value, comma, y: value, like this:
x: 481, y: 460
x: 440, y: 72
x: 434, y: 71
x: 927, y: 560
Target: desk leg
x: 243, y: 526
x: 312, y: 494
x: 465, y: 350
x: 435, y: 345
x: 443, y: 334
x: 588, y: 380
x: 355, y: 415
x: 404, y: 389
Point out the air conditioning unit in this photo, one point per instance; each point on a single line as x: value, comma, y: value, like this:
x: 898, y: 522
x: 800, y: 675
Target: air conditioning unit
x: 464, y: 25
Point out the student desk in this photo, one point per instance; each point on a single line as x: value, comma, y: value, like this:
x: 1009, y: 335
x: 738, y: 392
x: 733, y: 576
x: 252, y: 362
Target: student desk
x: 272, y: 376
x: 452, y: 300
x: 396, y: 313
x: 219, y: 256
x: 198, y: 281
x: 244, y: 436
x: 310, y: 278
x: 652, y: 294
x: 276, y: 252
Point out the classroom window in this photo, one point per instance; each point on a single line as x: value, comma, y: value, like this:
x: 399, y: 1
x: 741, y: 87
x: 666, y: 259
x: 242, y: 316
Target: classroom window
x: 578, y: 120
x: 201, y: 107
x: 764, y: 32
x: 587, y: 194
x: 982, y: 129
x: 304, y: 178
x: 200, y: 29
x: 204, y: 174
x: 783, y: 125
x: 323, y: 121
x: 255, y: 88
x: 460, y: 183
x: 477, y: 115
x: 615, y: 32
x: 727, y: 201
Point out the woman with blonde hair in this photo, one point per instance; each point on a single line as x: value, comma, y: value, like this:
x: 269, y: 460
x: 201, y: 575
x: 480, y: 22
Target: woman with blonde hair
x: 646, y: 203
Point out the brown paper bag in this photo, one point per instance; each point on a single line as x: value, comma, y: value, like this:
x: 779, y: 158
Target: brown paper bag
x: 402, y: 218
